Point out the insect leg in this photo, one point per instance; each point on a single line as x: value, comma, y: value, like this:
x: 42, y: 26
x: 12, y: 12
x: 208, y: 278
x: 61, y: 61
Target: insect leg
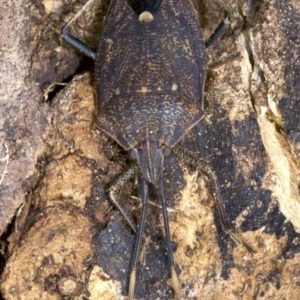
x: 222, y: 65
x: 207, y: 169
x: 138, y: 241
x: 142, y: 260
x: 210, y: 74
x: 226, y: 226
x: 217, y: 33
x: 75, y: 42
x: 116, y: 186
x: 174, y: 277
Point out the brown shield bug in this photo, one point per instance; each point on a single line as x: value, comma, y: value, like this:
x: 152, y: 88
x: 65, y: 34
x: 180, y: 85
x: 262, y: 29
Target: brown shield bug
x: 150, y: 71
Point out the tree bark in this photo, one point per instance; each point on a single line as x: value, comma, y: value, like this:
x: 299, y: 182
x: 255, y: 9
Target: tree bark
x: 67, y: 242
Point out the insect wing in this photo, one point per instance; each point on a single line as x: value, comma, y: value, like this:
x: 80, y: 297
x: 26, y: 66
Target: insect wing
x: 147, y: 69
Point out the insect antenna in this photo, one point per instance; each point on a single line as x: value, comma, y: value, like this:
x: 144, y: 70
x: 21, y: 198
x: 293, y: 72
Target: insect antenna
x: 138, y: 241
x: 175, y: 281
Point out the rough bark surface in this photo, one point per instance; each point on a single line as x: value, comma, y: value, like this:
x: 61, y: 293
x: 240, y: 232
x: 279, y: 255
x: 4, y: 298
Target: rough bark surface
x: 67, y: 243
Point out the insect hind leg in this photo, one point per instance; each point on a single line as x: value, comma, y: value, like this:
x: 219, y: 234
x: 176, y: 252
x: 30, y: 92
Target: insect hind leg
x: 207, y: 169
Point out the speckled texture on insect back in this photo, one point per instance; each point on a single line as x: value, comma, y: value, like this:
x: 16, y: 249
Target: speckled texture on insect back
x: 150, y: 74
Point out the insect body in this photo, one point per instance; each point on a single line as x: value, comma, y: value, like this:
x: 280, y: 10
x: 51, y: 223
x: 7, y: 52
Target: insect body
x: 150, y: 72
x: 150, y: 75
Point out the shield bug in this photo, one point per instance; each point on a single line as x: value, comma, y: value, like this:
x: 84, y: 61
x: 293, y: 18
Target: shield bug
x: 150, y: 73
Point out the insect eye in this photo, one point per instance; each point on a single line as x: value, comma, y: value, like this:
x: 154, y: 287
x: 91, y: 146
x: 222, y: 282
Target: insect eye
x: 133, y: 154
